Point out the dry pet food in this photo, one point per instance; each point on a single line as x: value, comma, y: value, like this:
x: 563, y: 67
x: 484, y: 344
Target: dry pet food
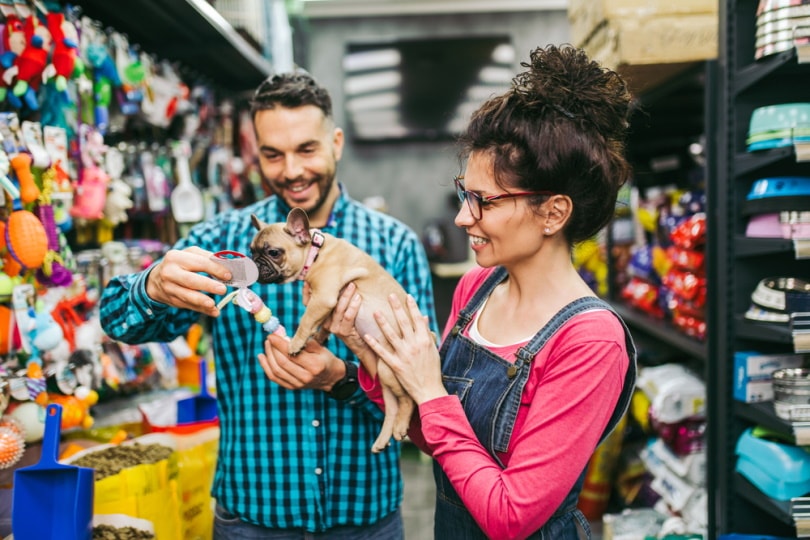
x: 108, y: 532
x: 113, y: 460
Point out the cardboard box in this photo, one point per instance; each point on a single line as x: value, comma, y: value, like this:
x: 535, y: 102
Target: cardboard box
x: 753, y: 372
x: 585, y: 16
x: 661, y: 39
x: 753, y: 390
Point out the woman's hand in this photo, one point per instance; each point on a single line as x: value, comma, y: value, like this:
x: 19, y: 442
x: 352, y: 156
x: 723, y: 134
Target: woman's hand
x: 411, y: 351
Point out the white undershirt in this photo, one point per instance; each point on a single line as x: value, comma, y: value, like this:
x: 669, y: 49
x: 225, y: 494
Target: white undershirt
x: 476, y: 336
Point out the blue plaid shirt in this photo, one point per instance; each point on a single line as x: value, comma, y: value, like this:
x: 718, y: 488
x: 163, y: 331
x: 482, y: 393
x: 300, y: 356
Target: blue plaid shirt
x: 287, y: 459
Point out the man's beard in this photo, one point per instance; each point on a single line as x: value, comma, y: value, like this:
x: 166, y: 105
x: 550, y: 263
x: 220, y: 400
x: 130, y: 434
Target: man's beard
x: 324, y: 185
x: 324, y: 190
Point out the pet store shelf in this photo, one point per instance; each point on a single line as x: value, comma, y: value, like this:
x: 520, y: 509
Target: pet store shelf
x: 777, y: 509
x: 755, y: 247
x: 661, y: 330
x: 190, y: 32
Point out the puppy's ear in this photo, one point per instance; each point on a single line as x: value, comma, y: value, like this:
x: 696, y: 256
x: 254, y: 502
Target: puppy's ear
x: 298, y: 226
x: 257, y: 223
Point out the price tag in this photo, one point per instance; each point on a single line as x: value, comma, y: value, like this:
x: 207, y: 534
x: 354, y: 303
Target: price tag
x: 801, y: 430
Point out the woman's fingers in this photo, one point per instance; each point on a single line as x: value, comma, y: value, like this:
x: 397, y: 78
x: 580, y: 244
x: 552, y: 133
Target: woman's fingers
x: 345, y: 298
x: 387, y: 330
x: 378, y: 348
x: 401, y: 316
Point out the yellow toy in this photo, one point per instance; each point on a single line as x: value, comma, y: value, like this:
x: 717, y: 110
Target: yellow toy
x: 76, y: 408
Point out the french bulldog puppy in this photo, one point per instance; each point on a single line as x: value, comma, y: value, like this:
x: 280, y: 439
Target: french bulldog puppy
x: 284, y: 252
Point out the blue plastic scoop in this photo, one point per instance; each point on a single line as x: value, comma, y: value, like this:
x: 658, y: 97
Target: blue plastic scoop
x: 51, y: 500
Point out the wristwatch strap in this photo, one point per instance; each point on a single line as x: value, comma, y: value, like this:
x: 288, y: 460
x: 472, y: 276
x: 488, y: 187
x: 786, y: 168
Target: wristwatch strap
x: 348, y: 385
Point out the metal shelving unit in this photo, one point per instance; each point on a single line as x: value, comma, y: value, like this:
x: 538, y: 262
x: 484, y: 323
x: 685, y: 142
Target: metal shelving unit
x: 738, y: 506
x: 190, y: 32
x: 670, y: 117
x: 679, y: 112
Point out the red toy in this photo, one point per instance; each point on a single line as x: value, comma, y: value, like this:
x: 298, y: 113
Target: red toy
x: 32, y: 61
x: 65, y: 48
x: 13, y: 46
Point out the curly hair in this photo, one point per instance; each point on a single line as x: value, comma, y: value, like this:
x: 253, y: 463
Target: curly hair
x: 561, y: 127
x: 291, y: 90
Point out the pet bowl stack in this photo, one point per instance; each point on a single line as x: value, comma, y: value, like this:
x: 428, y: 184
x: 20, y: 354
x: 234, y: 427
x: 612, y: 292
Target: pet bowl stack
x: 791, y: 391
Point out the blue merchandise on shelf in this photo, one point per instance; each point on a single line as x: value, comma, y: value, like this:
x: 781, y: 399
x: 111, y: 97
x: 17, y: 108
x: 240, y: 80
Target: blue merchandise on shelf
x: 780, y: 471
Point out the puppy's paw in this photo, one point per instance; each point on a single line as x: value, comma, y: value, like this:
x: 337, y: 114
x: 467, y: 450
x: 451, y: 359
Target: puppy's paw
x: 376, y: 448
x: 296, y: 346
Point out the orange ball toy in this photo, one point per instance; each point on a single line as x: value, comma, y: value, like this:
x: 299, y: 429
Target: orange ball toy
x: 26, y: 239
x: 12, y: 446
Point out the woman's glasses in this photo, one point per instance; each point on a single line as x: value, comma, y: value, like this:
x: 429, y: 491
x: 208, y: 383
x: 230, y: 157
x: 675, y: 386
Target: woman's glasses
x: 476, y: 202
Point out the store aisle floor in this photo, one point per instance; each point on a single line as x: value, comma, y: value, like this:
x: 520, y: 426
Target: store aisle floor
x: 417, y: 506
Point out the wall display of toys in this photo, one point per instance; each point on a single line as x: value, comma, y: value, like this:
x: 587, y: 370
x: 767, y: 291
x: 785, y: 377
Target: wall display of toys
x: 107, y: 155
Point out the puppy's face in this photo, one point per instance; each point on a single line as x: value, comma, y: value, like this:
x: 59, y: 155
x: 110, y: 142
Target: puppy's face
x: 280, y: 250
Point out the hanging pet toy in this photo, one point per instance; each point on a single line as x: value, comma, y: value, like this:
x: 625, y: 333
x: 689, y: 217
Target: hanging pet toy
x: 25, y: 236
x: 244, y: 274
x: 53, y: 271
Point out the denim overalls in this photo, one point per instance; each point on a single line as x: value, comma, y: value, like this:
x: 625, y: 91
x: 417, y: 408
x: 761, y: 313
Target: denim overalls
x: 490, y: 388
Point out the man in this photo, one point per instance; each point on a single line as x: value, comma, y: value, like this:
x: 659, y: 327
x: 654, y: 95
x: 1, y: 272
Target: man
x: 294, y: 453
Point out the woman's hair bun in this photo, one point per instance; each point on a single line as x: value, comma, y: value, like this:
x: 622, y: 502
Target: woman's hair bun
x: 565, y: 81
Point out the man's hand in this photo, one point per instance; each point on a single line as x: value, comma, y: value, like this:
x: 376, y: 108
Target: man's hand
x: 315, y: 367
x: 342, y: 324
x: 177, y: 280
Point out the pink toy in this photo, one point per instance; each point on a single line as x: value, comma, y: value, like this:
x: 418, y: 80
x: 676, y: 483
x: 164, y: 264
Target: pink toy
x: 247, y: 300
x: 91, y: 191
x: 91, y: 194
x: 244, y: 273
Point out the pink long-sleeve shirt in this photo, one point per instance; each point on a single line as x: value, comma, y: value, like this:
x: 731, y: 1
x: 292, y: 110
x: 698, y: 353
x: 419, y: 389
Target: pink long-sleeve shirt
x: 574, y: 386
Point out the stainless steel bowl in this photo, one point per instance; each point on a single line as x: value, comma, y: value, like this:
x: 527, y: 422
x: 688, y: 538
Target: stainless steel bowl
x: 791, y: 386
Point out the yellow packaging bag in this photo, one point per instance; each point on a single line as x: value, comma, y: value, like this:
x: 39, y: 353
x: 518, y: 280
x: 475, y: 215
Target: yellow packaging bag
x: 196, y: 461
x: 148, y: 491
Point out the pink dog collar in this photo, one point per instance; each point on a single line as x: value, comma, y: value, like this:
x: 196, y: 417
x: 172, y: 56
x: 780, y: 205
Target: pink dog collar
x: 317, y: 242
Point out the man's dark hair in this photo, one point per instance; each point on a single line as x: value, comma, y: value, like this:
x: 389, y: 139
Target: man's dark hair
x: 291, y: 90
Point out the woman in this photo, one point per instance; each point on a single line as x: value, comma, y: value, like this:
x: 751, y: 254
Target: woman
x: 534, y: 370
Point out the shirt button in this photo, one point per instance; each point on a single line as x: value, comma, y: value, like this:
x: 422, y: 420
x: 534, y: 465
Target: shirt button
x: 316, y: 423
x: 124, y: 325
x: 318, y: 471
x: 148, y: 311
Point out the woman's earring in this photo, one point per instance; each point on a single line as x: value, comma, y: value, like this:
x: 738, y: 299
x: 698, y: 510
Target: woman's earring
x: 547, y: 230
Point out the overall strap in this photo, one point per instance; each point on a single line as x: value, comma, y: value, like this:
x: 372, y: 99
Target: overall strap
x: 586, y: 303
x: 527, y: 353
x: 492, y: 281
